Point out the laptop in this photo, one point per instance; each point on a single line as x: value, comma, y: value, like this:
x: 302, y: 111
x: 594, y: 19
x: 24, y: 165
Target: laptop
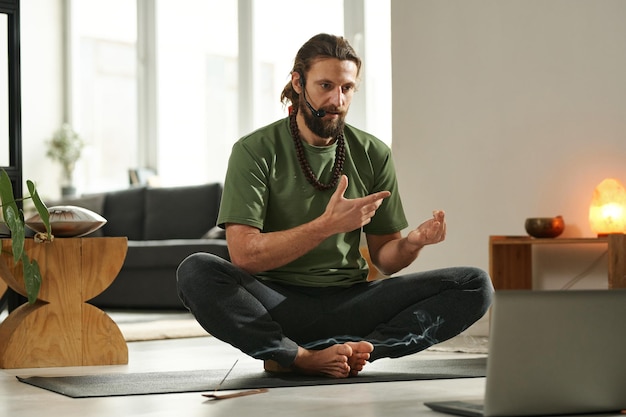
x: 552, y: 352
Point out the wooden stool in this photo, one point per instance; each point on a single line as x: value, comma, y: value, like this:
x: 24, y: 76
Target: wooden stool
x: 60, y: 329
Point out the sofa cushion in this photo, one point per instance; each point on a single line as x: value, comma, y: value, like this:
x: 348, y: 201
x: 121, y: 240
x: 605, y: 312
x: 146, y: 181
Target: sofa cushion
x: 181, y: 212
x: 169, y: 253
x: 124, y: 211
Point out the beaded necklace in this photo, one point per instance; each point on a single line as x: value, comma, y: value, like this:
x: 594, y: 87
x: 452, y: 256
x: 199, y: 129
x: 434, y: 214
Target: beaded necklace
x: 340, y: 158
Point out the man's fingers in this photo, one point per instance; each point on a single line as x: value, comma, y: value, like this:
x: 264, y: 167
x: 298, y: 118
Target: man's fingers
x: 377, y: 197
x: 342, y: 186
x: 371, y: 202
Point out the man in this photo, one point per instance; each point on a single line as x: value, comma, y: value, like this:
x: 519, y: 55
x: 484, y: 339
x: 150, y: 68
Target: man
x: 297, y: 196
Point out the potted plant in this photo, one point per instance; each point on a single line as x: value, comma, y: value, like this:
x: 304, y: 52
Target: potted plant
x: 14, y: 219
x: 57, y: 327
x: 66, y: 147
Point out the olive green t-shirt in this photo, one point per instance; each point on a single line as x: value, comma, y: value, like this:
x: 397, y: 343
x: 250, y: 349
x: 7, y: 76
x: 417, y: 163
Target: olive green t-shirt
x: 265, y: 188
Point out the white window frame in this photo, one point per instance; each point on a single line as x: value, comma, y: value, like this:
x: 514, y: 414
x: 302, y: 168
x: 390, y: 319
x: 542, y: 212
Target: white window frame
x: 148, y: 136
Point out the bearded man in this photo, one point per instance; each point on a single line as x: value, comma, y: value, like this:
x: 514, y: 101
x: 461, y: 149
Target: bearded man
x: 298, y: 195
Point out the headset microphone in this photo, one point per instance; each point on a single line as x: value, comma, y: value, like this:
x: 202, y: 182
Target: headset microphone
x: 317, y: 113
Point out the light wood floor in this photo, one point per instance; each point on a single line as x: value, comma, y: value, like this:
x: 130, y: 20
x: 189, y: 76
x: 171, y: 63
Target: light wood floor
x: 388, y: 399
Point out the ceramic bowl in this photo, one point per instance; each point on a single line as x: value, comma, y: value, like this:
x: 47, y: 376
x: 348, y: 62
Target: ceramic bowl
x: 545, y: 227
x: 68, y: 221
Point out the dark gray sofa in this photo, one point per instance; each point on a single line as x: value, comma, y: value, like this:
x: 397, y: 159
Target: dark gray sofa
x: 163, y: 226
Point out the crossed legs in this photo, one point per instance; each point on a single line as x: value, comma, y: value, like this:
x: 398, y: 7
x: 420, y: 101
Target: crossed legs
x: 332, y: 331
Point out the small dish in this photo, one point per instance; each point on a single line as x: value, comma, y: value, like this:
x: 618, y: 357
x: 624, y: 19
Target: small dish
x: 545, y: 227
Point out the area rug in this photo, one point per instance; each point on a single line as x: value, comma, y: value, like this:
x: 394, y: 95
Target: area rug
x: 139, y: 326
x: 463, y: 344
x: 120, y: 384
x: 161, y: 330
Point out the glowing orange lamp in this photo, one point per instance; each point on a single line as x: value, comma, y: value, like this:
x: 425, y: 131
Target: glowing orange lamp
x: 607, y: 212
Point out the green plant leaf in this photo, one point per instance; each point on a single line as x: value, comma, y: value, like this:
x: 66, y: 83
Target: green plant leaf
x: 16, y: 225
x: 6, y: 194
x: 40, y: 206
x: 14, y: 219
x: 32, y: 278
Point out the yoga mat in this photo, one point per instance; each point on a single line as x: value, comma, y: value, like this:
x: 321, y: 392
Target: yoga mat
x: 120, y: 384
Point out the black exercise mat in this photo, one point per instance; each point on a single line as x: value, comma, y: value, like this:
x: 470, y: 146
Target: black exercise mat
x: 105, y: 385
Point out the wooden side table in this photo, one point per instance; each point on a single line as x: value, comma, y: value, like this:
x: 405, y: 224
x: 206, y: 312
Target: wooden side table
x: 510, y: 259
x: 3, y: 288
x: 60, y: 328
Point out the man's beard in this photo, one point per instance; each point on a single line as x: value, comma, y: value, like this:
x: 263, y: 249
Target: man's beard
x: 320, y: 127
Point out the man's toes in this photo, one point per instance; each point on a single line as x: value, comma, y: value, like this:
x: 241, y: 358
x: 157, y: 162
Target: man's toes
x: 361, y: 347
x: 344, y: 350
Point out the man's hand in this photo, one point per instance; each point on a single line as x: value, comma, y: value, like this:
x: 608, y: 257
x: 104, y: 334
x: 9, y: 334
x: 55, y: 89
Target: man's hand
x: 430, y: 232
x: 345, y: 215
x: 254, y: 251
x: 391, y: 253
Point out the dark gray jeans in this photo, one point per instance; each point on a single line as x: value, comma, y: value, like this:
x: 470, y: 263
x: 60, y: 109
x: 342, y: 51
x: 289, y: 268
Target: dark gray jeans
x: 266, y: 320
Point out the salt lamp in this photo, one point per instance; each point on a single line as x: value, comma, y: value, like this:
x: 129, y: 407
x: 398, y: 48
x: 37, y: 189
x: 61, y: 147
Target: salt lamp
x: 607, y: 211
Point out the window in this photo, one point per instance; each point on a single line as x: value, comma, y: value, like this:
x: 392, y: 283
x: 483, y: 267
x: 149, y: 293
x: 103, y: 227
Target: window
x: 207, y: 72
x: 104, y: 90
x: 4, y: 93
x: 197, y: 57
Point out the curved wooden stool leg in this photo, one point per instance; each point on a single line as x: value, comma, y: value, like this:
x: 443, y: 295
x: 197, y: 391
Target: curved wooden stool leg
x: 61, y: 329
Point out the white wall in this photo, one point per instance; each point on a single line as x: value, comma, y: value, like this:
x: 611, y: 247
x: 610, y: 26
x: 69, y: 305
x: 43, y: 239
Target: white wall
x: 504, y: 110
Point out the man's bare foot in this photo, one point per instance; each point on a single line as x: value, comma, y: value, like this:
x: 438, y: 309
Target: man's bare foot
x: 360, y: 355
x: 337, y: 361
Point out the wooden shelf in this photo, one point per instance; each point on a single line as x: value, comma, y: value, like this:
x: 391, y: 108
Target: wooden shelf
x: 510, y: 258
